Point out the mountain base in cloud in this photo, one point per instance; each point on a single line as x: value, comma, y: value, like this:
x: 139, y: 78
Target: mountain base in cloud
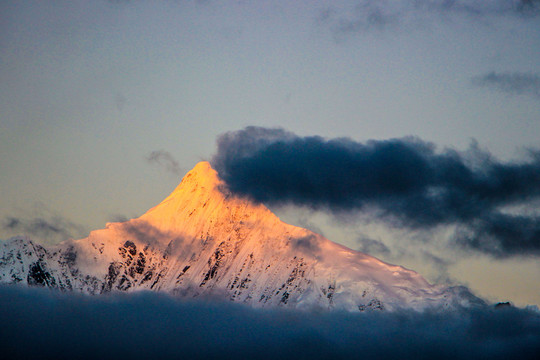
x: 38, y: 323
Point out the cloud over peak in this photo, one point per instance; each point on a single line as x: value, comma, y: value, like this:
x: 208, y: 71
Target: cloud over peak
x: 406, y: 180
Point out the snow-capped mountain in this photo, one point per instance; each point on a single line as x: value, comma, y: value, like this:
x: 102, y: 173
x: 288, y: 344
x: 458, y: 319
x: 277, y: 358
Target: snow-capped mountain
x: 204, y: 241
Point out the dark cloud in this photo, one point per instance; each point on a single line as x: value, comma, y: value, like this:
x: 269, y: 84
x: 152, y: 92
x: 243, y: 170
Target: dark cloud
x: 406, y: 180
x: 510, y: 83
x: 165, y: 160
x: 48, y: 227
x: 43, y: 324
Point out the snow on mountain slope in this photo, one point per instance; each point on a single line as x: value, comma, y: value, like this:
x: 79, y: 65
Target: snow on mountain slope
x: 204, y: 241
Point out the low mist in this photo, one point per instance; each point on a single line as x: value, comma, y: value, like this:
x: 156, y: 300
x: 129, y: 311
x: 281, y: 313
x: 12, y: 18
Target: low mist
x: 38, y: 323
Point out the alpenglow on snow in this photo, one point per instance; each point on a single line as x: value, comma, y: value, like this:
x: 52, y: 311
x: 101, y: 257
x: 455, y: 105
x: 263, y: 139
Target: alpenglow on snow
x: 202, y: 240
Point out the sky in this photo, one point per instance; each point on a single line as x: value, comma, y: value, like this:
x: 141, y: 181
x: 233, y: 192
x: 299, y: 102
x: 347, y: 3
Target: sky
x: 105, y: 105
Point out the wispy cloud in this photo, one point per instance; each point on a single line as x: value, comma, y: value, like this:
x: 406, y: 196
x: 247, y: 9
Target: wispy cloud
x: 511, y: 83
x: 372, y: 246
x: 165, y: 160
x: 143, y: 231
x: 150, y: 325
x: 409, y: 183
x: 47, y: 227
x: 119, y: 218
x: 364, y: 15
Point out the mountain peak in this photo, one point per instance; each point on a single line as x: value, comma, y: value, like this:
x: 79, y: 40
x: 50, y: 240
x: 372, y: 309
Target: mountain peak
x: 204, y: 240
x: 199, y: 181
x: 203, y: 170
x: 202, y: 197
x: 201, y: 175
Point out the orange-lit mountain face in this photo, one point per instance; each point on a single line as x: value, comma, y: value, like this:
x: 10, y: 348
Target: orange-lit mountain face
x: 204, y: 241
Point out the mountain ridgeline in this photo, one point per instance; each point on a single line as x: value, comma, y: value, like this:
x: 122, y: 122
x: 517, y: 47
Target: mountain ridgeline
x: 203, y: 241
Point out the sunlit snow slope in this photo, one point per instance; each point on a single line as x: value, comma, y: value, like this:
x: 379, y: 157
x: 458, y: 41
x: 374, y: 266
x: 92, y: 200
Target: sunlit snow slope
x: 204, y: 241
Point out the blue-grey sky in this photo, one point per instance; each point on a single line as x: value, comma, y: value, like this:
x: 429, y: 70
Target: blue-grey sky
x: 104, y: 105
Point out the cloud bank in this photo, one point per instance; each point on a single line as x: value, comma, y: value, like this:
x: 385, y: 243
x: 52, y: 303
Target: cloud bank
x: 406, y: 180
x: 510, y: 83
x: 38, y: 323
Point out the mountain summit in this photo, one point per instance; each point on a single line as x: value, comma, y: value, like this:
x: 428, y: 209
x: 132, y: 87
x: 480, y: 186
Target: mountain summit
x: 202, y: 240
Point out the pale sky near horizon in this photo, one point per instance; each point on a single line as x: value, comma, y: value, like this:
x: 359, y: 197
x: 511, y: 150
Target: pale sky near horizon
x: 105, y: 105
